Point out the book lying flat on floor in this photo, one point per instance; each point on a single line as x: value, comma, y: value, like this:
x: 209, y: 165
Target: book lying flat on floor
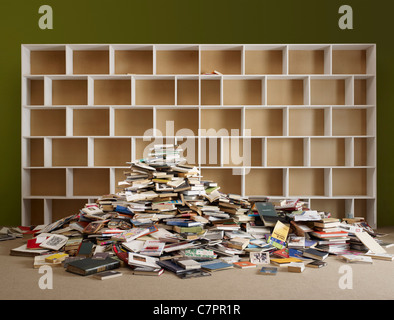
x: 88, y: 266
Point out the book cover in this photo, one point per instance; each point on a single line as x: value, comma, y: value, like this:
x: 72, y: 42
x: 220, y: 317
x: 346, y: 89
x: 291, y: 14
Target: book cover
x: 88, y: 266
x: 268, y: 271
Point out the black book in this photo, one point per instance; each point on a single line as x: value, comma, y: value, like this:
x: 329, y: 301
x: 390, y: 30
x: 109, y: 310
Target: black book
x: 171, y: 266
x: 88, y: 266
x: 315, y: 254
x: 267, y: 213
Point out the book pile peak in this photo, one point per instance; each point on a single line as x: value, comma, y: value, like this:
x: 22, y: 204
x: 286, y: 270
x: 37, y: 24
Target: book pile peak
x: 168, y: 218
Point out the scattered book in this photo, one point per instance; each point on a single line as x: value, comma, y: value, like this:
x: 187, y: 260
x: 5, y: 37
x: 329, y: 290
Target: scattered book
x: 268, y: 271
x: 315, y: 254
x: 108, y: 275
x: 244, y: 264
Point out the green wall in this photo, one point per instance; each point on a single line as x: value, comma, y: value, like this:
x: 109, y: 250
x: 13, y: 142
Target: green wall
x: 190, y: 21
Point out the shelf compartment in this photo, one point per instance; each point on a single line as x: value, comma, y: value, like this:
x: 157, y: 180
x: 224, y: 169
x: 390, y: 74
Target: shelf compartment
x: 47, y: 62
x: 365, y: 208
x: 210, y: 92
x: 210, y: 152
x: 306, y: 122
x: 328, y: 92
x: 37, y: 214
x: 155, y: 92
x: 226, y: 180
x: 264, y: 122
x: 242, y: 152
x: 328, y: 152
x: 187, y: 92
x: 91, y: 182
x: 36, y: 151
x: 349, y: 61
x: 48, y: 182
x: 141, y: 146
x: 91, y: 122
x: 66, y: 207
x: 306, y: 182
x: 364, y: 152
x: 69, y: 92
x: 265, y: 182
x: 69, y: 152
x: 349, y: 122
x: 119, y: 176
x: 133, y: 122
x: 224, y: 61
x: 220, y: 122
x: 48, y: 122
x: 177, y: 122
x: 285, y: 152
x: 349, y: 182
x: 112, y: 151
x: 364, y: 90
x: 36, y: 92
x: 134, y: 61
x: 306, y: 61
x: 91, y: 61
x: 190, y: 149
x: 264, y: 61
x: 177, y: 61
x: 242, y: 92
x: 112, y: 92
x: 339, y: 208
x: 285, y: 91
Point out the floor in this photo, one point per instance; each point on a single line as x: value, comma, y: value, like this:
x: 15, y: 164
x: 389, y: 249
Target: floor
x: 338, y: 280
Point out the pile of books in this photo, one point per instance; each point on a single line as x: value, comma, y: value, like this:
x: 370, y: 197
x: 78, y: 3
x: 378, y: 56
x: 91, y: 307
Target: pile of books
x: 168, y: 218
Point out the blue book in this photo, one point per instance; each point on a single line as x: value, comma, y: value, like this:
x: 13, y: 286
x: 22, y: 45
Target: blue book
x: 269, y: 270
x: 216, y: 266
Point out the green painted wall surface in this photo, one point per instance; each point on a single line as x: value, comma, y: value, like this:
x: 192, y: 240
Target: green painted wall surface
x: 191, y: 21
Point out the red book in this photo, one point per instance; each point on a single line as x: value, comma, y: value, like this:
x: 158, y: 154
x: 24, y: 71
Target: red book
x: 324, y: 235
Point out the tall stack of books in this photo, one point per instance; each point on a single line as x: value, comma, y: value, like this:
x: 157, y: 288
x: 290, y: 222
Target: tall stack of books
x: 330, y: 237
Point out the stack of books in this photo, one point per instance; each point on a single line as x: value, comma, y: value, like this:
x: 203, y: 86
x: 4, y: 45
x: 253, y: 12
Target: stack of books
x: 168, y: 218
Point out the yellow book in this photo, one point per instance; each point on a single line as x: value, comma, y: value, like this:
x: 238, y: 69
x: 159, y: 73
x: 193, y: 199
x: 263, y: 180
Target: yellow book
x: 284, y: 261
x: 280, y: 231
x: 56, y: 258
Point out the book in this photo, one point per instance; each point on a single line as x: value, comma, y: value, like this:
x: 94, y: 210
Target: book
x: 380, y: 256
x: 40, y: 261
x: 152, y: 248
x: 56, y: 258
x: 259, y: 257
x: 351, y: 258
x: 193, y: 274
x: 189, y: 264
x: 370, y: 242
x: 88, y: 266
x: 284, y: 261
x: 139, y: 260
x: 108, y: 274
x: 85, y: 249
x: 171, y: 266
x: 143, y: 271
x: 325, y: 235
x: 54, y: 242
x: 297, y: 267
x: 317, y: 264
x: 315, y: 254
x: 268, y: 271
x: 244, y: 264
x: 267, y: 212
x: 23, y: 251
x: 216, y: 266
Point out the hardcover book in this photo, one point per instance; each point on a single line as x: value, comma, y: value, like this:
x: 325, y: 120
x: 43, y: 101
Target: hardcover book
x: 88, y: 266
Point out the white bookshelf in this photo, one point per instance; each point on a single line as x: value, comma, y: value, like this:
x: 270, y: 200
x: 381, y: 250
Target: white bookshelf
x: 307, y: 113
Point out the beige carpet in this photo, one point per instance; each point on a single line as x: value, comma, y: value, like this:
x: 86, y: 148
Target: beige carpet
x: 19, y: 280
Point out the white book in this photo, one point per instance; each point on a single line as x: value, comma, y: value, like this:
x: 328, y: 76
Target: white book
x: 140, y: 260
